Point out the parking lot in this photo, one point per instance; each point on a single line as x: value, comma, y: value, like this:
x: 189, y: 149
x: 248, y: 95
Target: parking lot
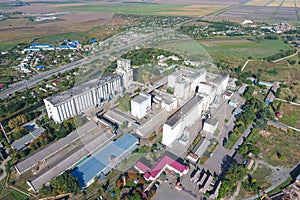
x: 221, y: 155
x: 167, y: 190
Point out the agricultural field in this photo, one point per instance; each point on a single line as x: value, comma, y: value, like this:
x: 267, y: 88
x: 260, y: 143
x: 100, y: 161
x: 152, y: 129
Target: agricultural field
x: 243, y: 48
x: 267, y: 10
x: 279, y: 148
x: 257, y: 3
x: 145, y: 9
x: 21, y: 29
x: 276, y: 3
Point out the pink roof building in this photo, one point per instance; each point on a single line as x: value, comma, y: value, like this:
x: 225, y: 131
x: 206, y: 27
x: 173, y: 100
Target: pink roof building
x: 163, y: 163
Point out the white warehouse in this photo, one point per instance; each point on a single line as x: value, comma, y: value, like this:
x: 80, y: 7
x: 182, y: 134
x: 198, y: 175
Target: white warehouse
x: 141, y: 105
x: 185, y: 117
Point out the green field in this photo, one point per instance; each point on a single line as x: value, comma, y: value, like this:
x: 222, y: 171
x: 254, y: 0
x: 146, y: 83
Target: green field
x: 189, y: 49
x: 245, y: 49
x: 225, y: 48
x: 127, y: 8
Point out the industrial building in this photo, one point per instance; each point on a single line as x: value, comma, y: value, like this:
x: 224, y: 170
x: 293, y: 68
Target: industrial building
x: 75, y: 101
x: 124, y: 69
x: 210, y: 125
x: 177, y: 124
x: 41, y: 155
x: 104, y: 160
x: 92, y: 142
x: 27, y: 139
x: 201, y: 147
x: 169, y: 104
x: 185, y: 81
x: 219, y: 81
x: 167, y: 161
x: 141, y: 105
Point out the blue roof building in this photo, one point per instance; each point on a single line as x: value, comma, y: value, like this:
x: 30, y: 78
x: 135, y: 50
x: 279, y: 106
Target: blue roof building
x: 40, y: 45
x: 104, y: 160
x: 64, y: 47
x: 93, y: 41
x: 40, y: 67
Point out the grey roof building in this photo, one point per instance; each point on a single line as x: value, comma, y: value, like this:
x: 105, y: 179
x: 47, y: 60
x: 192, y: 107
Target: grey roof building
x: 26, y: 139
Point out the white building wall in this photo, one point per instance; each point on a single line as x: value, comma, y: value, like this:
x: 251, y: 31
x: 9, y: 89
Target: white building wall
x: 172, y: 79
x: 52, y: 111
x: 79, y: 103
x: 210, y: 128
x: 140, y: 110
x: 171, y: 134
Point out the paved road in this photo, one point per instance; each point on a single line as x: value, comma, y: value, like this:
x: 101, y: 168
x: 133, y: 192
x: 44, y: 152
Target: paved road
x: 38, y: 78
x: 285, y: 57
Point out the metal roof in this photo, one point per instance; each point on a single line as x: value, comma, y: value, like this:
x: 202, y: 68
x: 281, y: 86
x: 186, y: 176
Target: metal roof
x: 49, y: 150
x: 105, y: 159
x: 211, y: 121
x: 82, y: 88
x: 26, y: 139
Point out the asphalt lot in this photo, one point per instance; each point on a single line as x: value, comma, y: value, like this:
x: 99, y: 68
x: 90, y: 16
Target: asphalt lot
x: 167, y: 190
x: 220, y: 157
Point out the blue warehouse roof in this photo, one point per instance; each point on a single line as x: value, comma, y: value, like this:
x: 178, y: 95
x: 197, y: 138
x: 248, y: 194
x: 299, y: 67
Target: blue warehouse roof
x: 104, y: 159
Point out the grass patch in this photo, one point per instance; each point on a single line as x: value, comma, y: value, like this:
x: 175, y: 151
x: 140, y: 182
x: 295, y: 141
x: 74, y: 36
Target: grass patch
x: 291, y: 115
x: 9, y: 194
x: 260, y: 175
x: 270, y: 71
x: 279, y: 148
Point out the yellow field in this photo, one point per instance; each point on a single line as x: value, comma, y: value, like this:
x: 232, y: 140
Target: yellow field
x: 257, y: 2
x: 276, y: 3
x: 194, y: 10
x: 288, y: 3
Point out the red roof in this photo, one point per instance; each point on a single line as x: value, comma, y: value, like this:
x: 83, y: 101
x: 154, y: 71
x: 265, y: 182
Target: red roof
x: 1, y: 85
x: 142, y: 167
x: 159, y: 166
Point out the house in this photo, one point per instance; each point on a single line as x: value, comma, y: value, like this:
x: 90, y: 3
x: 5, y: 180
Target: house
x: 242, y: 89
x: 210, y: 125
x: 167, y: 161
x: 271, y: 95
x: 192, y: 157
x: 249, y: 164
x: 40, y: 67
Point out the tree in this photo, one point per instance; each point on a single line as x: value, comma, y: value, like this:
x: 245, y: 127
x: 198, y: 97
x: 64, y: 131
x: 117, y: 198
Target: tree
x: 65, y: 183
x: 17, y: 121
x: 136, y: 196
